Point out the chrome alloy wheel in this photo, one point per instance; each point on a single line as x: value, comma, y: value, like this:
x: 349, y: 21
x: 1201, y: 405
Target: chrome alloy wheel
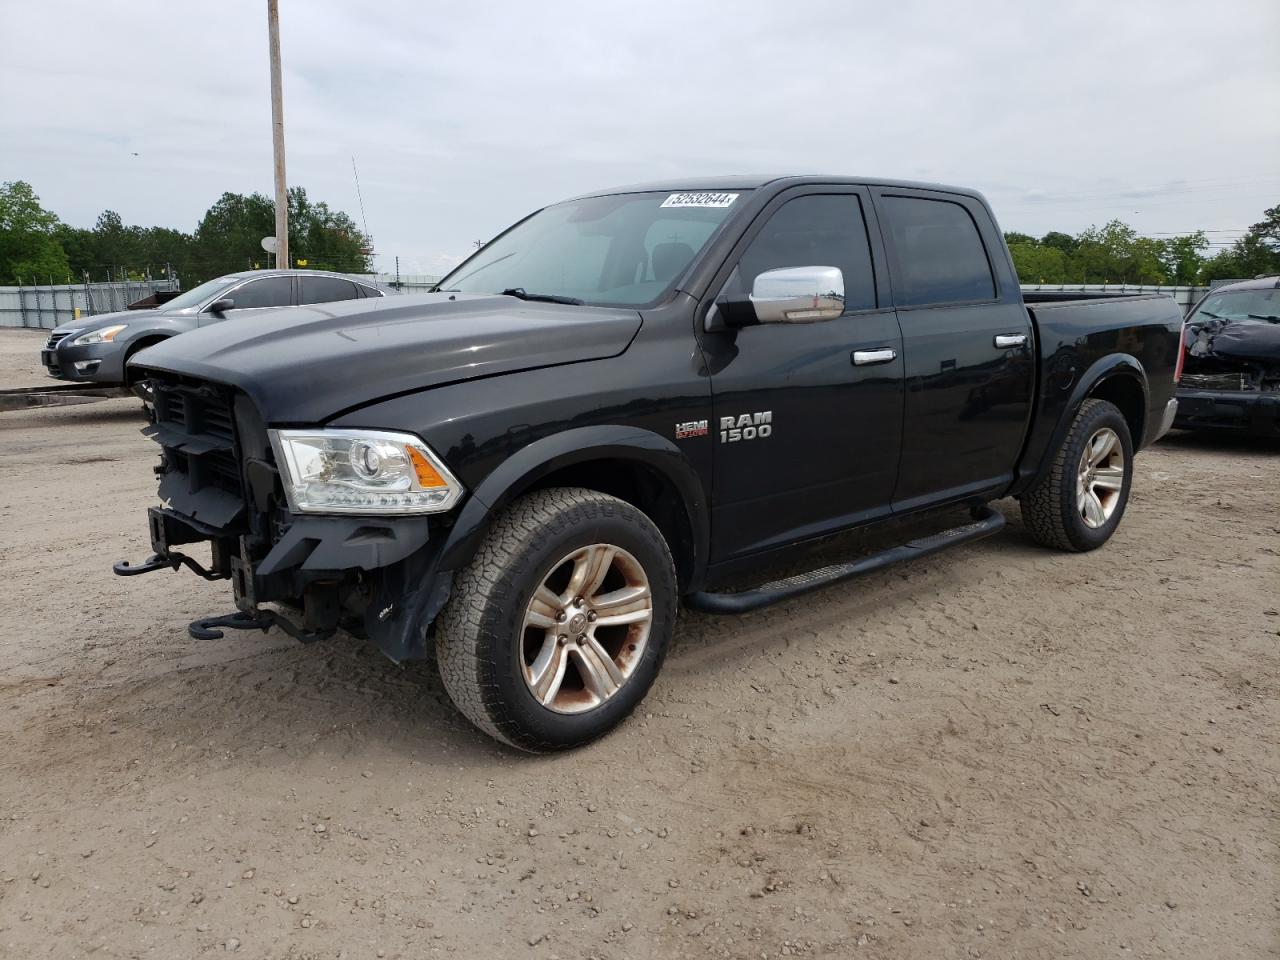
x: 1100, y: 478
x: 586, y: 628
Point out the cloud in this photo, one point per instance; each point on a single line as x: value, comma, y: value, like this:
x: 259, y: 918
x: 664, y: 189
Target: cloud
x: 464, y: 117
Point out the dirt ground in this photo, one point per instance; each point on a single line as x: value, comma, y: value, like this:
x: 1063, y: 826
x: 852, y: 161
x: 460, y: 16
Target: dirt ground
x: 998, y: 752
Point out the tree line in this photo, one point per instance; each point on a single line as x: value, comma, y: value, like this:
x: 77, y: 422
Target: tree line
x: 1115, y: 253
x: 37, y: 247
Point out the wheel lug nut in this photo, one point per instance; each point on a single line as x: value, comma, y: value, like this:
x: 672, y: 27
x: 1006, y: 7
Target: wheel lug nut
x: 582, y: 640
x: 591, y: 617
x: 560, y: 615
x: 577, y: 601
x: 562, y: 639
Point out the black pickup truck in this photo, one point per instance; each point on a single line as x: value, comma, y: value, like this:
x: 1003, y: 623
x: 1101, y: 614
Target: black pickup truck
x: 632, y: 398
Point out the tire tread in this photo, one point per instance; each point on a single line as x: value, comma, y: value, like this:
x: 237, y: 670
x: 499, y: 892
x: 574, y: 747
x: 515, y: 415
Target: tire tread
x: 473, y: 613
x: 1044, y: 506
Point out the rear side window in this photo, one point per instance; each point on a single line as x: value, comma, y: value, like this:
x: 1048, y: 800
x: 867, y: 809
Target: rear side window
x: 815, y: 231
x: 367, y: 291
x: 941, y: 258
x: 327, y: 290
x: 268, y: 292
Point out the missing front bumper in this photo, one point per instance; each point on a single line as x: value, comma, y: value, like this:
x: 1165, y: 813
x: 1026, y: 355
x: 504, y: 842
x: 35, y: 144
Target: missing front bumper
x: 375, y: 577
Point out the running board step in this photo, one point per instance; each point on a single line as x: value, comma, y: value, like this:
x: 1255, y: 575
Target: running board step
x: 986, y: 521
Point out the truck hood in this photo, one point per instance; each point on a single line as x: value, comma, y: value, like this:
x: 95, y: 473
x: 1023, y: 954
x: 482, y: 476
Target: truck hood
x: 305, y: 365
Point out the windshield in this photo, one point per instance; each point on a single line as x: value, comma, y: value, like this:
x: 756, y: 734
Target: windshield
x: 198, y: 295
x: 620, y: 250
x: 1241, y: 305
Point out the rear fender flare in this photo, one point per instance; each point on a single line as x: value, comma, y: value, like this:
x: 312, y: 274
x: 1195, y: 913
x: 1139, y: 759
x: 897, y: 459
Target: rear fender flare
x: 1114, y: 365
x: 521, y: 470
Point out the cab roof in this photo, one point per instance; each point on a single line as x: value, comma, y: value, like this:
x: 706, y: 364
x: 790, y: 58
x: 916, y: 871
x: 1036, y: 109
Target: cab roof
x: 775, y: 181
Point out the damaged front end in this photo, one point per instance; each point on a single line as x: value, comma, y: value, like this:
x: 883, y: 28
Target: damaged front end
x: 1231, y: 372
x: 221, y: 482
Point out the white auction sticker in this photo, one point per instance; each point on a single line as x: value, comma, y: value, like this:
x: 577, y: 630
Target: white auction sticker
x: 700, y: 200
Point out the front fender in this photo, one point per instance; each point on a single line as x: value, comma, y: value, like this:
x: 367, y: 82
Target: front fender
x: 523, y: 469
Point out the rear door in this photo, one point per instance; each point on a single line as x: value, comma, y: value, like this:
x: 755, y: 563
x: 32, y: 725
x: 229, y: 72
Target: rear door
x: 806, y: 439
x: 967, y: 346
x: 322, y: 289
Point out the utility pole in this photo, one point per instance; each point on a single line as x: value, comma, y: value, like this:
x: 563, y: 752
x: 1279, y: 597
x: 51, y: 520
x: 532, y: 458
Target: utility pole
x: 277, y: 134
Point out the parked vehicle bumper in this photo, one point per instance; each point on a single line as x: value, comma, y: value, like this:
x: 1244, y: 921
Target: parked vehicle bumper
x: 1255, y: 412
x: 95, y: 363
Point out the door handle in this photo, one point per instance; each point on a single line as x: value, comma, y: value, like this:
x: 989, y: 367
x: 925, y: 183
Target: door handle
x: 1006, y: 340
x: 862, y: 358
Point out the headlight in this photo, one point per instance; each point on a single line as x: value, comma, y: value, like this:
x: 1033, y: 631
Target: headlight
x: 105, y: 335
x: 362, y: 471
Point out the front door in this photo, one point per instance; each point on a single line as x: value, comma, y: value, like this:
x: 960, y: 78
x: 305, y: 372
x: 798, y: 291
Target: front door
x: 253, y: 297
x: 808, y: 416
x: 967, y: 343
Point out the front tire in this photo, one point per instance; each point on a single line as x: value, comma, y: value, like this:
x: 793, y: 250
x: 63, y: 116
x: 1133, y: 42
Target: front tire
x: 559, y: 625
x: 1078, y: 504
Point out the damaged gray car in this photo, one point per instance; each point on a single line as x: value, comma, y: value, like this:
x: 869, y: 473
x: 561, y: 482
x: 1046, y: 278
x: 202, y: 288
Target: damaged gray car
x: 1231, y: 361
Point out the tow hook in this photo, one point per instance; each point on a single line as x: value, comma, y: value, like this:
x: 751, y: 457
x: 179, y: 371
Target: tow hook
x: 206, y: 628
x: 171, y: 561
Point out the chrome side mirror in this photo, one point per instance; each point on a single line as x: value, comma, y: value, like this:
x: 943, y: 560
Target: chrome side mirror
x: 221, y: 306
x: 798, y: 295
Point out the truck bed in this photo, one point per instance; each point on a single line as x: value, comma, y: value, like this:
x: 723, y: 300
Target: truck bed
x: 1075, y: 334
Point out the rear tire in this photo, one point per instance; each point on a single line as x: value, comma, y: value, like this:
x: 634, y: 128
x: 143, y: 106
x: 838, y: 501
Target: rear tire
x: 559, y: 625
x: 1078, y: 503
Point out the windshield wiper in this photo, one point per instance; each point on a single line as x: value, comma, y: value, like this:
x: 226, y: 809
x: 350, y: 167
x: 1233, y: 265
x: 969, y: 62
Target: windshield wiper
x: 521, y: 294
x: 1259, y: 316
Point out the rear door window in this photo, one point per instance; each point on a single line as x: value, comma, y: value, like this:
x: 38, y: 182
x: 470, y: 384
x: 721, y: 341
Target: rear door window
x: 267, y: 292
x: 326, y: 290
x: 940, y: 255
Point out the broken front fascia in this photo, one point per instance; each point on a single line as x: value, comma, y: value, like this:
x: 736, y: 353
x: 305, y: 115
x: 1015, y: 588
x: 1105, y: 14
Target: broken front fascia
x: 1234, y: 354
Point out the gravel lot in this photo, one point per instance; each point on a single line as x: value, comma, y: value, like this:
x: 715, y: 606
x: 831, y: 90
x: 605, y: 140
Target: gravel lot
x: 997, y: 752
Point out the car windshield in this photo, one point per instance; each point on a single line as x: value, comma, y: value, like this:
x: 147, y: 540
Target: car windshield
x: 1241, y: 305
x: 618, y: 250
x: 198, y: 295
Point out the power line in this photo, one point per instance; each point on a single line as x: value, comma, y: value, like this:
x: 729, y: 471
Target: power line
x: 364, y: 223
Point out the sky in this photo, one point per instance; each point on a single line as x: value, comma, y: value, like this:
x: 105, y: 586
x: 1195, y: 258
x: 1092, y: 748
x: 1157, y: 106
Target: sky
x: 464, y: 117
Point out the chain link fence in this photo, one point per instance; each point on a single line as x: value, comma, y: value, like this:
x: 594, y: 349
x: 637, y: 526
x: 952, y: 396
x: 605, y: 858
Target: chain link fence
x: 46, y: 306
x: 1187, y: 297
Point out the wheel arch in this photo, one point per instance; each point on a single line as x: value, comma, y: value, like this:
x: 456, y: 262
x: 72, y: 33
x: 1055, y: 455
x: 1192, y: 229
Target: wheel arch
x: 636, y: 465
x: 141, y: 343
x: 1126, y: 387
x: 1115, y: 377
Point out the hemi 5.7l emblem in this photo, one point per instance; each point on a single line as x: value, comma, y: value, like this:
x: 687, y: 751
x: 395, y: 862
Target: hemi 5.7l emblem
x: 746, y: 426
x: 691, y: 428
